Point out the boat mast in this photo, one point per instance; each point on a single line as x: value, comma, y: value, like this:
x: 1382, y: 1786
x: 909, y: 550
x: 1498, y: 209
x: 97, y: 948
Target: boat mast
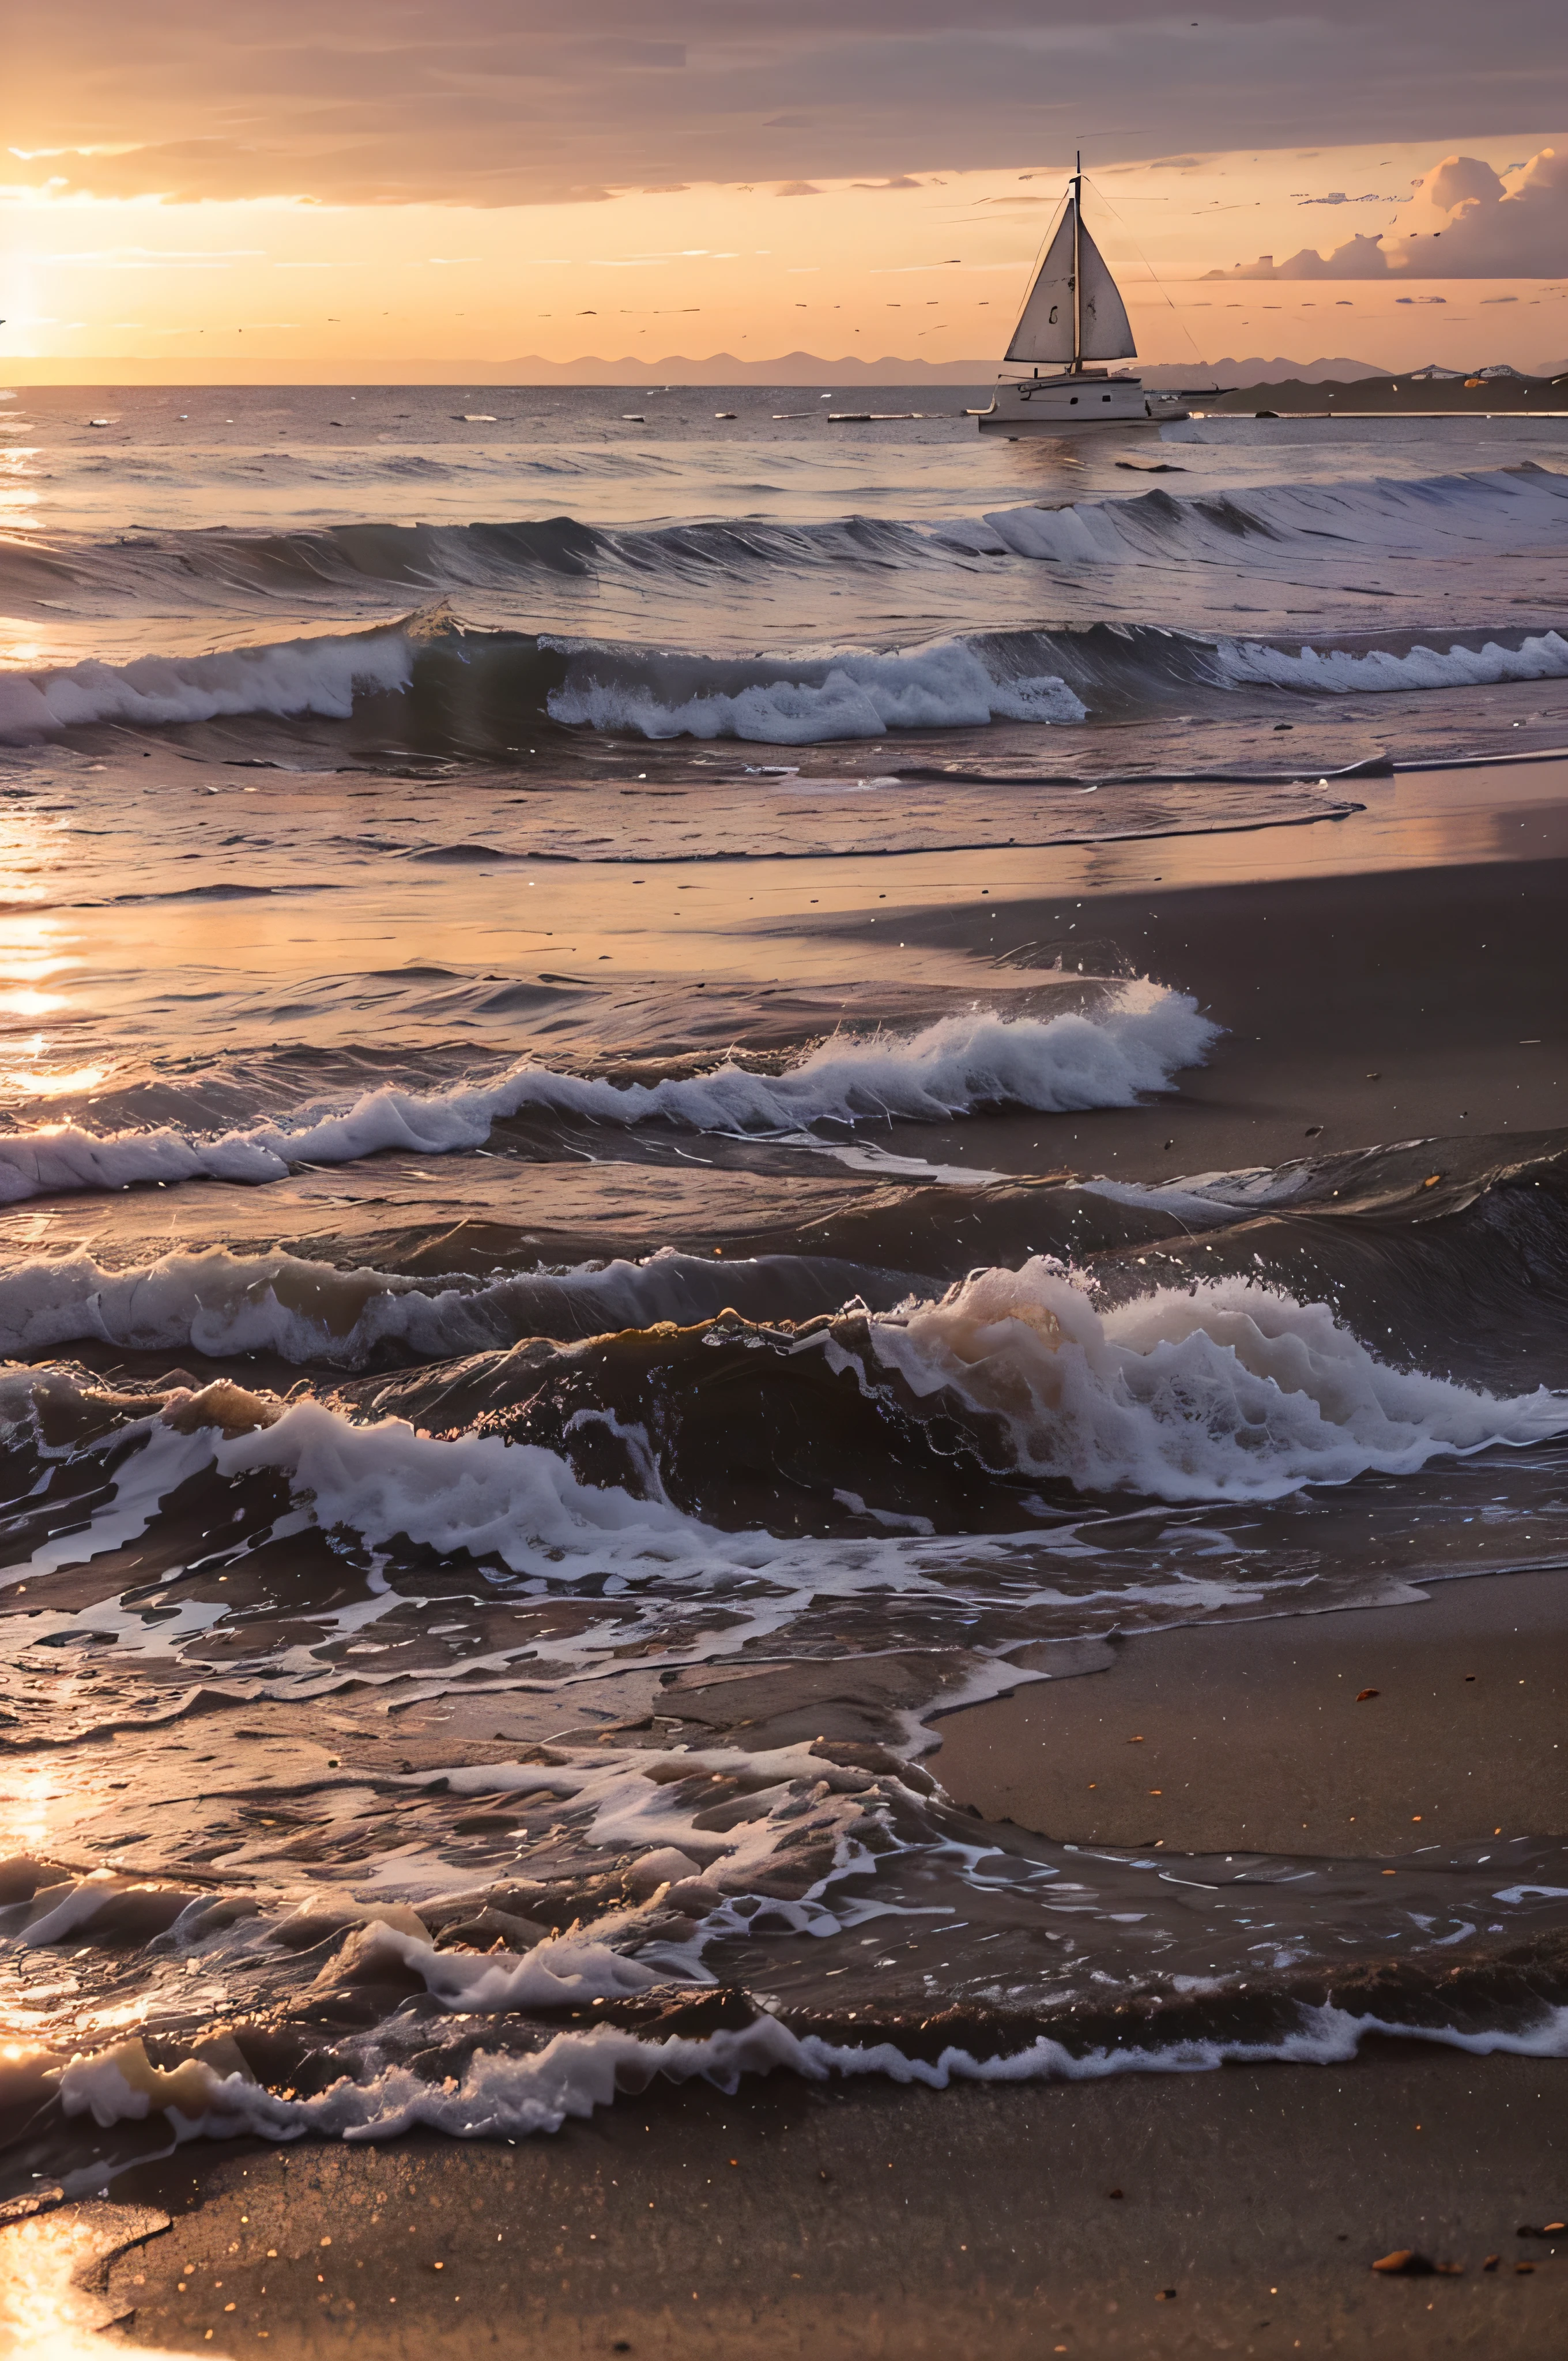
x: 1076, y: 269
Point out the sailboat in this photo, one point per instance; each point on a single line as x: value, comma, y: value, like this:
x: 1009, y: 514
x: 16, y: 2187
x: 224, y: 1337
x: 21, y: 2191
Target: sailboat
x: 1073, y: 317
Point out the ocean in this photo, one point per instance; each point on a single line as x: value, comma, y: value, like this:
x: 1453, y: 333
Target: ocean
x: 508, y: 1466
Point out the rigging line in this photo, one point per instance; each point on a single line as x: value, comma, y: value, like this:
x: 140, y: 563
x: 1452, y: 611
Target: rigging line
x: 1100, y: 198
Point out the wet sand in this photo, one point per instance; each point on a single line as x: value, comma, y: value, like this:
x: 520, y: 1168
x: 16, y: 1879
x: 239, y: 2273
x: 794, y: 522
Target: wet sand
x: 1259, y: 1737
x: 798, y: 2220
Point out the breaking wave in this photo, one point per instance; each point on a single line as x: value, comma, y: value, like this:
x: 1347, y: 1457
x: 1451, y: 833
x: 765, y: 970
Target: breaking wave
x: 474, y: 690
x: 223, y: 1304
x: 448, y: 683
x: 943, y: 687
x: 1221, y: 1392
x: 1133, y: 1042
x: 1339, y: 671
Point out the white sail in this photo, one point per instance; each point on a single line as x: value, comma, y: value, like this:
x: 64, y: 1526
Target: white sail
x: 1046, y: 330
x: 1107, y: 331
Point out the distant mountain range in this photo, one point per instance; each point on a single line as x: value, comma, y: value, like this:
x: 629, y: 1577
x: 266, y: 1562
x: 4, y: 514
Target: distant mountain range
x: 724, y: 369
x: 1257, y: 371
x: 811, y: 369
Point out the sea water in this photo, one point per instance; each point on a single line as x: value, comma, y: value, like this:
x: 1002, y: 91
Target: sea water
x: 536, y: 1367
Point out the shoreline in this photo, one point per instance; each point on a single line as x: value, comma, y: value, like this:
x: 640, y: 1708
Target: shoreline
x: 1239, y: 2211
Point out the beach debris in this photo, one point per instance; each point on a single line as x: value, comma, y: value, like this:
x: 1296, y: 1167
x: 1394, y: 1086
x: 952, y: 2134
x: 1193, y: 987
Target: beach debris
x: 1312, y: 1130
x: 1362, y: 1694
x: 1115, y: 2192
x: 1491, y: 2262
x: 1404, y: 2262
x: 1523, y: 2270
x: 1164, y: 2295
x: 1544, y: 2230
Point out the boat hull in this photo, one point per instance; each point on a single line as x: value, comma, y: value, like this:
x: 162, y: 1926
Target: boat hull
x: 1058, y: 405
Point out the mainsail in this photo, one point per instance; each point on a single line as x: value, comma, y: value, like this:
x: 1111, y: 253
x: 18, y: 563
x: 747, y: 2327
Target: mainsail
x: 1053, y: 326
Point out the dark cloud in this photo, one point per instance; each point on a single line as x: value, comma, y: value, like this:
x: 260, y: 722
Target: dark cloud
x: 1488, y: 231
x: 500, y: 102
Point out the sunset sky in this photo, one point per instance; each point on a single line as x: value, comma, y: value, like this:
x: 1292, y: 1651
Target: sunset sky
x: 340, y: 192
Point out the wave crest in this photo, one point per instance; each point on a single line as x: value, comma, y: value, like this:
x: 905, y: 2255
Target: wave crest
x: 943, y: 687
x: 1224, y: 1391
x: 1133, y: 1042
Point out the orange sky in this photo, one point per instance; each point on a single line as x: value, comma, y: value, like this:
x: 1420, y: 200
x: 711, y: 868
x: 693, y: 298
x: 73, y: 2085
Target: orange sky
x: 933, y: 267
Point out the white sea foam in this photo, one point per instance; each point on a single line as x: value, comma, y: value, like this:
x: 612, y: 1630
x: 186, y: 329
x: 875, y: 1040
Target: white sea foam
x: 317, y: 676
x: 515, y: 1501
x: 1222, y: 1391
x: 942, y: 688
x: 501, y: 2095
x: 1137, y: 1038
x: 1337, y: 672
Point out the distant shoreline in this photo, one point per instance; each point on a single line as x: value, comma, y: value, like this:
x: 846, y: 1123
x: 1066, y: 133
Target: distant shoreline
x: 1379, y: 393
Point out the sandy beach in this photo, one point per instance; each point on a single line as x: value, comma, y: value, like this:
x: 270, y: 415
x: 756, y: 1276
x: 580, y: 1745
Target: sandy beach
x: 1359, y: 1734
x: 1161, y: 2216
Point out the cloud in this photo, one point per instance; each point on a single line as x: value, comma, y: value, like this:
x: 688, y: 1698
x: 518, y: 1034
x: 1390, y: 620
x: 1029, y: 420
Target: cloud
x: 1464, y: 180
x: 506, y: 102
x: 1468, y: 223
x: 1361, y: 258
